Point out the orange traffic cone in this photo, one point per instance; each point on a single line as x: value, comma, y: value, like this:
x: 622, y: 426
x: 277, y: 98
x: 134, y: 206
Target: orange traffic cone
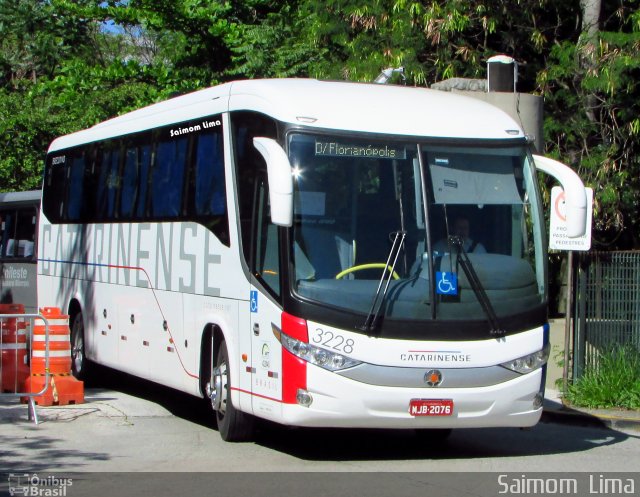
x: 63, y: 388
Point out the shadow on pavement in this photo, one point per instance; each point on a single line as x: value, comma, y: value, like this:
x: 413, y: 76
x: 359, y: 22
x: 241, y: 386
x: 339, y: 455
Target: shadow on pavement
x: 178, y: 403
x: 548, y: 437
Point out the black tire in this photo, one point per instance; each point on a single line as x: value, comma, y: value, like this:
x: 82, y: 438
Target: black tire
x: 80, y: 367
x: 233, y: 425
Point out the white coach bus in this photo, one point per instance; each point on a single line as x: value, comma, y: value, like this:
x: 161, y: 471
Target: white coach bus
x: 292, y: 250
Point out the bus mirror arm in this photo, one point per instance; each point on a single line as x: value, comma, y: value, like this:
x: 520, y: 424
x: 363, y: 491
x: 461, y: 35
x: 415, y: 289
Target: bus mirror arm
x: 280, y: 180
x: 575, y: 193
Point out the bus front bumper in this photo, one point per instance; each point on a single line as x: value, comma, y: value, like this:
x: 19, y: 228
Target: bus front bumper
x: 340, y: 402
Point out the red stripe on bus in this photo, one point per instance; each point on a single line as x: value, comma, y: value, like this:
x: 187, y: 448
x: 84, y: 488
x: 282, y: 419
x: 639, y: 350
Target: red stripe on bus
x: 153, y: 292
x: 294, y: 376
x: 256, y: 394
x: 295, y: 327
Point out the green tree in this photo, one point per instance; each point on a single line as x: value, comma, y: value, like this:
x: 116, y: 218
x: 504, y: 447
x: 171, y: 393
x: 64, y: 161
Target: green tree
x: 33, y: 43
x: 432, y: 40
x: 62, y: 70
x: 592, y: 102
x: 33, y: 40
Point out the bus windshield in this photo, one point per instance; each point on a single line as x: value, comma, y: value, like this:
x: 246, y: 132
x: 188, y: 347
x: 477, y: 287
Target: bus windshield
x: 457, y: 230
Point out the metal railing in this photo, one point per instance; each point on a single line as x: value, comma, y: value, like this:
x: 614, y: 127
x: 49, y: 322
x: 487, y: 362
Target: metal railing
x: 16, y: 364
x: 607, y: 306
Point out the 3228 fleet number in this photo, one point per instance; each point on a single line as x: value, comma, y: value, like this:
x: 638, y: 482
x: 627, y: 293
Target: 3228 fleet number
x: 333, y: 341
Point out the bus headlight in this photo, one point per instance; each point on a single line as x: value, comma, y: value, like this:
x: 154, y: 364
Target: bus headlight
x: 315, y: 355
x: 528, y: 363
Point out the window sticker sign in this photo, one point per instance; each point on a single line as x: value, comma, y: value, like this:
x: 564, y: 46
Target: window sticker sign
x: 446, y: 283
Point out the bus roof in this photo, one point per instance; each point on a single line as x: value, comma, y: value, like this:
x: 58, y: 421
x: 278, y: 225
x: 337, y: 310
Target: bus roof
x: 20, y: 198
x: 360, y: 107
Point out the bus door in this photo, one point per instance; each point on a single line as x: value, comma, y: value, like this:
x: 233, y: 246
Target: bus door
x: 265, y: 310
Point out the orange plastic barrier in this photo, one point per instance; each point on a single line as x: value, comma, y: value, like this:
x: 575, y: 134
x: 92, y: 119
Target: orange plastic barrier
x: 63, y: 388
x: 13, y: 344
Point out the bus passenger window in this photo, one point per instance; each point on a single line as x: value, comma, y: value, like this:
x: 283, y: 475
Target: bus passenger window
x: 129, y: 189
x: 108, y: 183
x: 144, y: 158
x: 75, y: 200
x: 210, y: 197
x: 167, y: 178
x: 17, y: 233
x: 8, y: 234
x: 133, y: 189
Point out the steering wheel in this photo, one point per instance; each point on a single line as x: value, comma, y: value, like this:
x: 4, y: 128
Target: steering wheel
x: 374, y: 265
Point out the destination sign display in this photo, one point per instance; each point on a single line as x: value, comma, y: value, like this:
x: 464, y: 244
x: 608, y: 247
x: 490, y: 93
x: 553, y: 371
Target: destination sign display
x: 359, y: 150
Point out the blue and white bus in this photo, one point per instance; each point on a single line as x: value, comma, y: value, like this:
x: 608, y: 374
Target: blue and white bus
x: 288, y: 249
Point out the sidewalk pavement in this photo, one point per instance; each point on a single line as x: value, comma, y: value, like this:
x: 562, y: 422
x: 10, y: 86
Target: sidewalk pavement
x: 556, y: 411
x: 554, y: 408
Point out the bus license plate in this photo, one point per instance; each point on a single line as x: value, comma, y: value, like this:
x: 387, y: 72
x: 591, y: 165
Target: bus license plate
x: 431, y: 407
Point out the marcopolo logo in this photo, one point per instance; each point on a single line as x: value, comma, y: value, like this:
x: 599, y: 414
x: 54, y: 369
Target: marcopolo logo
x: 38, y: 486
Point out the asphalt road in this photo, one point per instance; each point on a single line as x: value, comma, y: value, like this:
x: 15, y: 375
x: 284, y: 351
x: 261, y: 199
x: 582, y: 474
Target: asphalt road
x: 132, y: 426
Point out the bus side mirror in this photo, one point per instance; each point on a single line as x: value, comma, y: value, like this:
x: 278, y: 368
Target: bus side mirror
x: 280, y: 180
x: 575, y: 194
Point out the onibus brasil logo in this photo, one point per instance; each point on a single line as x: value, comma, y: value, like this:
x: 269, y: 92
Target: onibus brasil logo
x: 38, y: 486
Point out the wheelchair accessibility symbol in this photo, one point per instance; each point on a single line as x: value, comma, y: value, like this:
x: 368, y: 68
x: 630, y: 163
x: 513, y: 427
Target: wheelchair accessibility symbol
x: 447, y: 283
x: 254, y: 301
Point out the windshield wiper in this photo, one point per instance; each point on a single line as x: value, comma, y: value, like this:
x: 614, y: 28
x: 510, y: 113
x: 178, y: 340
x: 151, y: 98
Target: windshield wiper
x: 476, y: 285
x: 371, y: 322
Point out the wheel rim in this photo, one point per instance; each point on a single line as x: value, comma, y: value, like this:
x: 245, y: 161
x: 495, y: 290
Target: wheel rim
x: 219, y: 390
x: 77, y: 352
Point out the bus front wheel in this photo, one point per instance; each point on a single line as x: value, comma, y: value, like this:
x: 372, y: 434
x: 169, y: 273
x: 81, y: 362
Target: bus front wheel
x: 233, y: 424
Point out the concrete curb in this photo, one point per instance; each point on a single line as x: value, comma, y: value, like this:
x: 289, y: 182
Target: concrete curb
x: 580, y: 418
x: 555, y: 411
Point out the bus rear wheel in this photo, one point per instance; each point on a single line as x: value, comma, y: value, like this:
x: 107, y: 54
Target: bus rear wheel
x: 79, y: 361
x: 233, y: 424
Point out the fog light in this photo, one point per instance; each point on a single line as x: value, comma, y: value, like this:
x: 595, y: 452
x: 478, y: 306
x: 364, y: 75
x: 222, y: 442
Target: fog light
x: 303, y: 398
x: 537, y: 400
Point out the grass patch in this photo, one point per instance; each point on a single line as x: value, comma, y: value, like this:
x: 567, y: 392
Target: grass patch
x: 614, y: 382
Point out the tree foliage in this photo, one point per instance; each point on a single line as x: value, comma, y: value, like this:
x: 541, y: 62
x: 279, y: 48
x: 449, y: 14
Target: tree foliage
x: 591, y: 94
x: 67, y: 64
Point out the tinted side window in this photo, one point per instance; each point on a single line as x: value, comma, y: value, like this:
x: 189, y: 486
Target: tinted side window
x: 175, y: 173
x: 54, y: 189
x: 17, y: 233
x: 267, y: 247
x: 210, y: 193
x: 144, y: 162
x: 250, y: 166
x: 135, y: 179
x: 130, y: 186
x: 167, y: 178
x: 109, y: 181
x: 76, y: 185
